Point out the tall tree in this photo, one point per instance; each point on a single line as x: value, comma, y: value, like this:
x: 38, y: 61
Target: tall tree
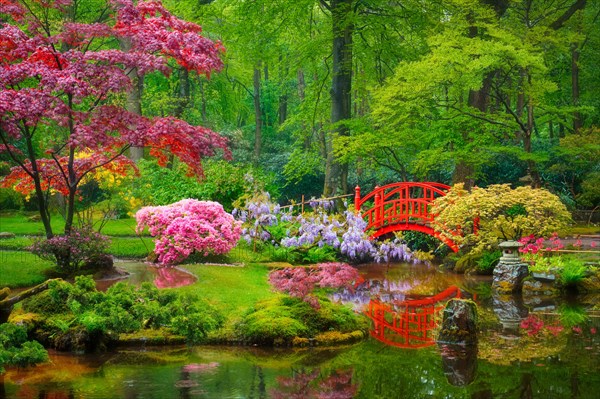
x: 61, y: 83
x: 481, y: 88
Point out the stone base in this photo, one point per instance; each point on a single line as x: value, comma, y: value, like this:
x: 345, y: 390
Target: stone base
x: 508, y: 277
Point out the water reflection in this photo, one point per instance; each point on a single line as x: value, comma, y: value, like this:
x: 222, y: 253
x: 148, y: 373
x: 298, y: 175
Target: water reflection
x: 459, y: 363
x: 511, y: 310
x: 141, y: 272
x: 411, y: 323
x: 315, y: 384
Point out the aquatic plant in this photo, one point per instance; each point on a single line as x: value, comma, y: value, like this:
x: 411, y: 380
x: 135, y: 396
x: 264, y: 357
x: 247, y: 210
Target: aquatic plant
x: 189, y: 226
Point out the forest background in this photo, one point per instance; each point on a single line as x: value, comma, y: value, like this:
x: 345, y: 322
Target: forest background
x: 317, y: 97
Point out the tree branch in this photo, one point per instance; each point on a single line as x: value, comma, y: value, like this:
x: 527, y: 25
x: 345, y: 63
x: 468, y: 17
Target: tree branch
x: 578, y: 5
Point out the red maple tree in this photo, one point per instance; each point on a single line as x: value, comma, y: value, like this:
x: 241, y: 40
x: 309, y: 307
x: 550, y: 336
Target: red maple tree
x: 62, y: 83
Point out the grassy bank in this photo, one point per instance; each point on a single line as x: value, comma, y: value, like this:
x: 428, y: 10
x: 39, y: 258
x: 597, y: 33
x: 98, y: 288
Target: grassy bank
x: 232, y: 290
x: 22, y: 269
x: 28, y: 224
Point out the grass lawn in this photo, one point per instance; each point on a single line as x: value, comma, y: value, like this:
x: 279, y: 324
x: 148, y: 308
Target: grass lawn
x: 21, y: 224
x: 120, y: 247
x: 130, y: 247
x: 231, y: 289
x: 22, y: 269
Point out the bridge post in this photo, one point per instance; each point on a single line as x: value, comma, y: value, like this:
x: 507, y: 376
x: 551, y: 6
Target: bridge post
x: 377, y: 206
x: 357, y: 199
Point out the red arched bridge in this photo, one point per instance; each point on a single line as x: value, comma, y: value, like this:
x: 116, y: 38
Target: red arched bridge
x: 401, y: 207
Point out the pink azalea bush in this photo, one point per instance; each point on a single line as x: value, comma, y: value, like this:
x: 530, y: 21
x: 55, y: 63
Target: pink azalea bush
x: 189, y: 226
x: 300, y: 282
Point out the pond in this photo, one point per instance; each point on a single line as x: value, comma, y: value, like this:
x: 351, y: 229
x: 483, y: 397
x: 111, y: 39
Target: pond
x: 528, y: 348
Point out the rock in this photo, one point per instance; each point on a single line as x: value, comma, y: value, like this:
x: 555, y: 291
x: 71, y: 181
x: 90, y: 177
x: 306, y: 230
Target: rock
x: 459, y: 325
x: 508, y: 277
x: 590, y: 284
x: 103, y: 262
x: 6, y: 234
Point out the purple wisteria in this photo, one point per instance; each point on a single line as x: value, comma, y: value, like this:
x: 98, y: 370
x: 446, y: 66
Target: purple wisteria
x: 345, y: 233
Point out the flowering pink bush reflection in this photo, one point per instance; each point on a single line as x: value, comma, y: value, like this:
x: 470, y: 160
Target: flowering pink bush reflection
x: 171, y: 277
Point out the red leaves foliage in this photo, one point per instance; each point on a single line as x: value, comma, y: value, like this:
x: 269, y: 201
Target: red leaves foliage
x: 57, y: 82
x: 54, y: 173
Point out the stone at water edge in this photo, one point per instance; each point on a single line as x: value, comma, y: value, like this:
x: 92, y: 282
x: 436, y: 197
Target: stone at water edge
x: 509, y: 277
x: 459, y: 325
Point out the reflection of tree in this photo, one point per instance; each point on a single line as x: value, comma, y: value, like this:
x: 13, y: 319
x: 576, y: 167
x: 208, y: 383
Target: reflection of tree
x: 313, y: 385
x: 261, y: 388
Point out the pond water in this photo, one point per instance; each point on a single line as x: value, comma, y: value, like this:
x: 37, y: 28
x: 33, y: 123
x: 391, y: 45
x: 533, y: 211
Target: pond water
x: 141, y: 272
x: 528, y: 348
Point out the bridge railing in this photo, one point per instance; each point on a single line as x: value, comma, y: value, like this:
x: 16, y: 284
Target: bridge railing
x: 399, y: 202
x: 379, y: 195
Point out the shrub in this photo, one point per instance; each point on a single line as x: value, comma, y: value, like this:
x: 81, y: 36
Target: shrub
x: 342, y: 235
x: 223, y: 182
x: 502, y: 214
x: 282, y: 319
x: 16, y: 350
x: 487, y: 262
x: 71, y: 252
x: 10, y: 199
x: 270, y: 321
x: 189, y: 226
x: 300, y: 282
x: 123, y: 308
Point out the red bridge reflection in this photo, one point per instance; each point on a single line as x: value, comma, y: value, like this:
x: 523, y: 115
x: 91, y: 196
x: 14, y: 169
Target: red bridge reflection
x: 411, y: 323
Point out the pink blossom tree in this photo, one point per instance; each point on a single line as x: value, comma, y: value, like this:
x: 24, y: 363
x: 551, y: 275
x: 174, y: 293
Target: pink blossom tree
x: 63, y: 86
x: 189, y: 226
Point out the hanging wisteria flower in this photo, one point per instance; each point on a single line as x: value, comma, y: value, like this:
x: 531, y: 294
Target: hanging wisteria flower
x: 264, y: 221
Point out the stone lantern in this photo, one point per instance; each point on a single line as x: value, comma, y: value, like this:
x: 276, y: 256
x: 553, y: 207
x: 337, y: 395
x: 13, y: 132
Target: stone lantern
x: 510, y: 271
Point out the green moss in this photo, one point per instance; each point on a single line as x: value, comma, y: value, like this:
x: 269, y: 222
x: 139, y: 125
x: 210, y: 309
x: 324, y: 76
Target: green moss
x: 337, y: 338
x: 283, y: 319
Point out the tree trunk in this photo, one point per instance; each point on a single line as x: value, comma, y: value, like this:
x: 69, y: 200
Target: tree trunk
x: 577, y: 119
x: 283, y: 98
x: 40, y: 195
x: 6, y: 305
x: 203, y: 103
x: 134, y: 98
x: 336, y: 173
x: 183, y: 94
x: 257, y: 116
